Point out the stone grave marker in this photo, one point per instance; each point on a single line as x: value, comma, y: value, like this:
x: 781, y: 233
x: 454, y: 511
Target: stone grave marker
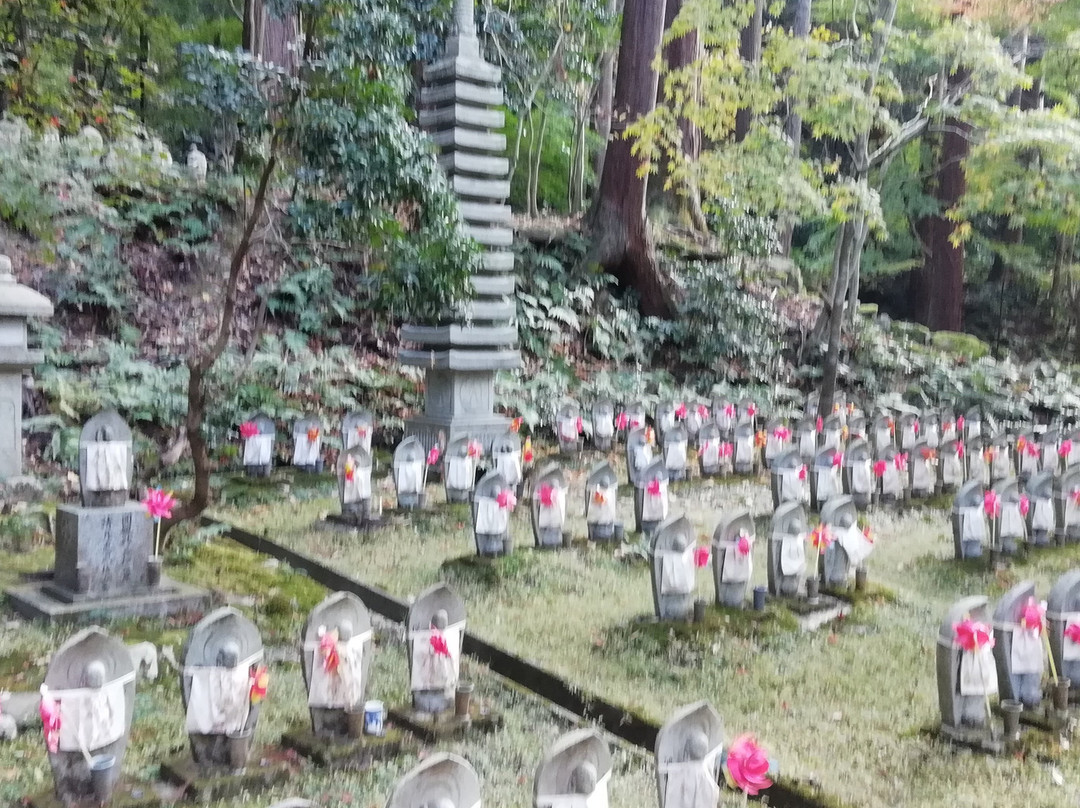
x: 638, y: 453
x: 969, y: 521
x: 410, y: 473
x: 442, y: 780
x: 603, y: 421
x: 506, y: 452
x: 1067, y: 494
x: 493, y: 502
x: 676, y: 441
x: 972, y: 424
x: 930, y: 428
x: 806, y: 437
x: 574, y: 773
x: 976, y: 467
x: 714, y: 453
x: 601, y: 503
x: 1049, y: 442
x: 258, y: 433
x: 857, y: 428
x: 744, y: 455
x: 726, y: 414
x: 733, y: 558
x: 354, y: 484
x: 697, y: 415
x: 671, y: 555
x: 825, y: 479
x: 435, y: 629
x: 665, y: 417
x: 851, y: 546
x: 307, y: 444
x: 777, y: 439
x: 1018, y: 650
x: 789, y: 479
x: 951, y: 465
x: 459, y: 468
x: 1063, y: 626
x: 882, y: 427
x: 832, y: 433
x: 569, y: 426
x: 923, y: 465
x: 948, y: 424
x: 357, y: 429
x: 1000, y: 458
x: 651, y: 500
x: 892, y: 483
x: 1028, y: 456
x: 1041, y: 519
x: 1010, y: 526
x: 966, y: 679
x: 336, y: 656
x: 858, y: 473
x: 688, y: 750
x: 636, y: 416
x: 909, y: 431
x: 549, y: 492
x: 748, y: 410
x: 787, y: 549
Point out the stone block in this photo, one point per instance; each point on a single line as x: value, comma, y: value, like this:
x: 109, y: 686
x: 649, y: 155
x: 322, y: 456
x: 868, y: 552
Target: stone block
x: 103, y: 551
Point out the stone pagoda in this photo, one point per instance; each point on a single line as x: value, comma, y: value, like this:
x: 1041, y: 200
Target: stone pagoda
x: 460, y: 108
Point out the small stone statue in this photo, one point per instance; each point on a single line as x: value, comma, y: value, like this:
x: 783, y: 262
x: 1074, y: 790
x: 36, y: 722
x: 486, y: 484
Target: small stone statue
x: 409, y: 473
x: 601, y: 502
x: 1018, y: 648
x: 688, y: 749
x: 733, y: 558
x: 549, y: 506
x: 673, y: 569
x: 969, y: 523
x: 258, y: 434
x: 442, y: 780
x: 307, y: 444
x: 106, y: 462
x: 506, y: 452
x: 336, y: 656
x: 574, y: 772
x: 436, y: 627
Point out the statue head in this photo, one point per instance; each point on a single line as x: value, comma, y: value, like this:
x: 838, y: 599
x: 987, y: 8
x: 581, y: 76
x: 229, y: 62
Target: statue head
x: 229, y: 655
x: 345, y: 630
x: 697, y: 745
x: 440, y: 619
x: 680, y: 542
x: 95, y: 674
x: 583, y: 779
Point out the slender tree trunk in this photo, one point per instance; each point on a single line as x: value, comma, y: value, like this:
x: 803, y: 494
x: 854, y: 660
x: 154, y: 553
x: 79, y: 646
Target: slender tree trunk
x: 534, y: 166
x: 1063, y: 257
x: 621, y: 240
x: 793, y: 124
x: 750, y: 51
x: 605, y: 96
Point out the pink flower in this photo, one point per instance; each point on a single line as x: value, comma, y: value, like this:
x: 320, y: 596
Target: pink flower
x: 50, y: 719
x: 438, y: 644
x: 1025, y: 505
x: 680, y: 410
x: 546, y: 493
x: 879, y: 468
x: 960, y: 423
x: 729, y: 410
x: 915, y: 427
x: 1033, y: 614
x: 802, y: 472
x: 433, y: 455
x: 837, y: 459
x: 329, y: 650
x: 248, y: 430
x: 960, y: 449
x: 1072, y: 632
x: 703, y: 412
x: 653, y: 488
x: 474, y: 449
x: 701, y: 557
x: 158, y: 503
x: 1075, y: 496
x: 971, y: 635
x: 747, y: 767
x: 580, y: 425
x: 743, y: 544
x: 726, y: 449
x: 506, y: 499
x: 819, y: 424
x: 900, y: 461
x: 782, y: 433
x: 1066, y: 447
x: 622, y: 421
x: 992, y: 504
x: 751, y: 411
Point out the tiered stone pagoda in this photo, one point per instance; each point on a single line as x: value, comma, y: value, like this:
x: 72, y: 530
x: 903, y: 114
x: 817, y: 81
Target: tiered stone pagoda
x: 460, y: 108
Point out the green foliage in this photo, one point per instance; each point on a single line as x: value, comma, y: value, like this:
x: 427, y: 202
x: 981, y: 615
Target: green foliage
x: 552, y: 193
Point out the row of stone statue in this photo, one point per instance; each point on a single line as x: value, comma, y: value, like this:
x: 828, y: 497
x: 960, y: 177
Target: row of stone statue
x: 1006, y: 653
x: 259, y: 432
x: 89, y: 688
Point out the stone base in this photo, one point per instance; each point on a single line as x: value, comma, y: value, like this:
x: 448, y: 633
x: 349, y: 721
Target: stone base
x: 36, y: 601
x: 1046, y: 719
x: 211, y: 785
x: 433, y: 728
x: 484, y: 428
x: 344, y: 752
x: 127, y: 794
x: 813, y: 615
x: 351, y: 522
x: 974, y: 738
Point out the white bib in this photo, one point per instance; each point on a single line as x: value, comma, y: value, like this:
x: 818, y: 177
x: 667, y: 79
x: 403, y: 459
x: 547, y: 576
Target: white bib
x: 431, y: 671
x: 220, y: 698
x: 1027, y: 651
x: 862, y: 476
x: 358, y: 488
x: 508, y: 464
x: 107, y: 466
x: 92, y: 718
x: 978, y: 675
x: 460, y: 473
x: 258, y: 450
x: 793, y: 554
x: 490, y: 518
x: 1043, y: 517
x: 855, y: 544
x: 602, y: 513
x: 553, y: 516
x: 677, y: 572
x: 972, y: 524
x: 654, y: 508
x: 343, y: 688
x: 306, y: 452
x: 737, y: 567
x: 675, y: 455
x: 409, y: 477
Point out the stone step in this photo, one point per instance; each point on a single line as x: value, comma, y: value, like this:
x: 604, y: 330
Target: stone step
x: 458, y: 162
x: 457, y: 335
x: 468, y: 68
x: 462, y: 115
x: 485, y: 212
x: 501, y: 261
x: 490, y: 236
x: 490, y: 311
x: 461, y: 91
x: 480, y: 189
x: 494, y: 284
x: 455, y: 359
x: 459, y: 138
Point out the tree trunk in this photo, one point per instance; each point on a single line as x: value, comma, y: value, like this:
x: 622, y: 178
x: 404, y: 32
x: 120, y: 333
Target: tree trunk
x: 851, y: 238
x: 621, y: 241
x: 270, y: 38
x: 750, y: 51
x: 793, y: 124
x: 605, y: 95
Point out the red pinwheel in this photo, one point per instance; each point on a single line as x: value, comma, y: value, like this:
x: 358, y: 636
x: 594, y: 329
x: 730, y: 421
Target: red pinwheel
x: 433, y: 455
x: 747, y: 767
x: 653, y: 488
x: 350, y: 470
x: 751, y: 411
x: 50, y: 719
x: 1033, y: 615
x: 546, y: 494
x: 1065, y: 449
x: 680, y: 410
x: 821, y: 537
x: 248, y: 430
x: 474, y: 449
x: 701, y: 557
x: 438, y: 644
x: 506, y: 499
x: 802, y: 472
x: 729, y: 410
x: 971, y: 635
x: 313, y: 434
x: 622, y: 421
x: 819, y: 424
x: 879, y: 468
x: 703, y: 412
x: 901, y: 461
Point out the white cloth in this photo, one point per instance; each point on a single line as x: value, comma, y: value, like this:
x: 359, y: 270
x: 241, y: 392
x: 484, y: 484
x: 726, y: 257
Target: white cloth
x: 677, y: 572
x: 490, y: 518
x: 891, y: 483
x: 807, y: 443
x: 220, y: 698
x: 855, y: 544
x: 972, y: 524
x: 359, y: 487
x: 305, y: 451
x: 744, y: 449
x: 554, y: 515
x: 710, y: 454
x: 1074, y: 454
x: 793, y: 554
x: 978, y: 674
x: 603, y: 428
x: 92, y: 717
x: 1070, y: 651
x: 597, y: 799
x: 737, y: 567
x: 431, y: 671
x: 972, y: 429
x: 932, y: 436
x: 792, y: 489
x: 1049, y: 456
x: 922, y: 475
x: 675, y: 455
x: 1043, y: 516
x: 692, y: 783
x: 460, y: 473
x: 258, y: 450
x: 1027, y: 651
x: 774, y: 446
x: 1029, y: 464
x: 952, y: 469
x: 977, y: 468
x: 908, y: 438
x: 508, y: 464
x: 862, y: 477
x: 343, y: 688
x: 1001, y: 466
x: 642, y: 456
x: 1072, y: 511
x: 602, y: 513
x: 568, y: 431
x: 828, y: 482
x: 107, y: 466
x: 357, y: 438
x: 1012, y: 523
x: 948, y: 433
x: 409, y: 476
x: 655, y: 508
x: 882, y: 437
x: 832, y: 439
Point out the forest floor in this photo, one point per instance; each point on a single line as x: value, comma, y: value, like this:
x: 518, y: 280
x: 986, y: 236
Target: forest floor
x: 847, y: 707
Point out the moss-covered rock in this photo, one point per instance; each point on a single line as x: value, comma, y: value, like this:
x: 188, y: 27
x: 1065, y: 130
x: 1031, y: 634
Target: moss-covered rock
x: 959, y: 344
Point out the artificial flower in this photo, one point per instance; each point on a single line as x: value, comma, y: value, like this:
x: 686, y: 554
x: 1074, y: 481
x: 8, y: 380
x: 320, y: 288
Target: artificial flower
x: 313, y: 434
x: 726, y: 449
x: 622, y: 421
x: 837, y: 459
x: 971, y: 635
x: 1075, y: 496
x: 844, y: 432
x: 248, y: 430
x: 703, y: 412
x: 821, y: 537
x: 1021, y: 443
x: 474, y: 449
x: 1072, y: 632
x: 701, y: 556
x: 1065, y: 449
x: 879, y: 468
x: 1025, y: 505
x: 653, y: 488
x: 819, y: 424
x: 680, y: 410
x: 1032, y: 449
x: 959, y: 423
x: 50, y: 720
x: 782, y: 433
x: 729, y: 410
x: 650, y: 436
x: 868, y: 534
x: 362, y: 430
x: 915, y: 427
x: 989, y: 454
x: 802, y: 472
x: 759, y: 438
x: 928, y: 454
x: 433, y: 455
x: 1033, y: 615
x: 546, y: 493
x: 329, y: 650
x: 751, y: 411
x: 598, y: 496
x: 260, y: 683
x: 892, y: 426
x: 350, y: 470
x: 835, y: 407
x: 992, y: 504
x: 527, y: 453
x: 515, y: 424
x: 901, y: 461
x: 746, y: 766
x: 580, y: 424
x: 506, y: 499
x: 960, y: 449
x: 438, y: 643
x: 743, y: 544
x: 159, y: 503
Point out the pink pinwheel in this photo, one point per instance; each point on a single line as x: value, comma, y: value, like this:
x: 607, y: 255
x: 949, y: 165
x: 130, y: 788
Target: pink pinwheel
x: 1033, y: 615
x: 433, y: 455
x: 474, y: 449
x: 743, y: 544
x: 901, y: 461
x: 506, y: 499
x: 248, y: 430
x: 879, y: 468
x: 579, y: 424
x: 746, y: 767
x: 329, y: 649
x: 781, y: 433
x: 701, y: 557
x: 159, y: 503
x: 819, y: 424
x: 837, y: 459
x: 680, y: 410
x: 960, y: 449
x: 1075, y: 496
x: 653, y: 488
x: 959, y: 423
x: 971, y: 635
x: 821, y: 537
x: 546, y: 494
x: 703, y: 412
x: 438, y: 644
x: 751, y: 411
x: 802, y: 472
x: 1025, y: 505
x: 1065, y: 449
x: 726, y: 449
x: 729, y: 410
x: 50, y: 719
x: 915, y: 427
x: 622, y: 421
x: 992, y: 504
x: 1072, y: 633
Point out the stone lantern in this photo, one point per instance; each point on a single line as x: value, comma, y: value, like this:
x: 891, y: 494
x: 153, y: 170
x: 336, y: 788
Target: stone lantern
x: 17, y: 304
